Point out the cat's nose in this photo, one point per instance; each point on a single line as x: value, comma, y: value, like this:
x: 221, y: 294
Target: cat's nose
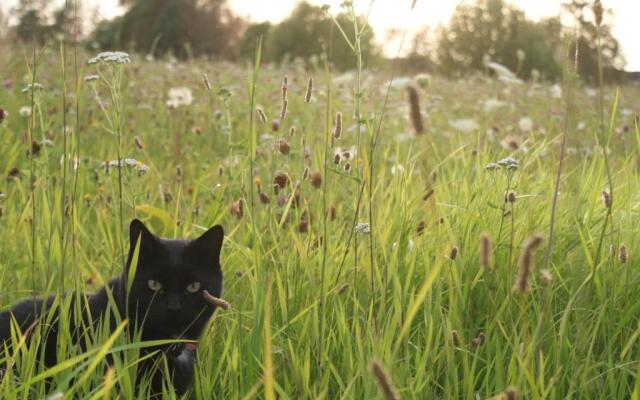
x: 173, y: 302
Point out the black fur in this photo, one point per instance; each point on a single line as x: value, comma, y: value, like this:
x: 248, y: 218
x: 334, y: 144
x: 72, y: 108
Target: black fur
x: 169, y: 313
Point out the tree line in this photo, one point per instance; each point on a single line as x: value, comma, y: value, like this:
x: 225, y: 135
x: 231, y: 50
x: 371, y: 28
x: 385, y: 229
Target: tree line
x: 476, y: 32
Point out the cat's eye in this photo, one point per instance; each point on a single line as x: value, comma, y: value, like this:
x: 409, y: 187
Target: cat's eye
x: 193, y: 287
x: 154, y: 285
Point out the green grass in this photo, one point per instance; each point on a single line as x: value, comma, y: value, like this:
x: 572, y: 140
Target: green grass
x: 309, y: 314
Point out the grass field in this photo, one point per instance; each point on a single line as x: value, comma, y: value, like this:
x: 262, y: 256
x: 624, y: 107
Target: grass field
x: 400, y: 265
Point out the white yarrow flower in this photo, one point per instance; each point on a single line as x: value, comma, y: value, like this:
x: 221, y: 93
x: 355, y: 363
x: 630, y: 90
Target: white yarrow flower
x: 464, y: 125
x: 179, y: 96
x: 110, y: 57
x: 525, y: 124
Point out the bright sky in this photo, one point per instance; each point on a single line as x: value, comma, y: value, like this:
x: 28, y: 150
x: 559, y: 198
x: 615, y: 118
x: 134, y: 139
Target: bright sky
x: 389, y: 14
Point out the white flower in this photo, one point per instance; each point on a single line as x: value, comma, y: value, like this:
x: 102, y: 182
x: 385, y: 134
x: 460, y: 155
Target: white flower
x: 556, y: 91
x: 179, y: 96
x: 493, y: 104
x: 503, y: 73
x: 29, y: 87
x: 581, y: 125
x: 363, y: 228
x: 111, y: 57
x: 520, y: 55
x: 464, y: 125
x: 525, y: 124
x: 397, y: 169
x: 25, y: 111
x: 92, y: 77
x: 509, y: 163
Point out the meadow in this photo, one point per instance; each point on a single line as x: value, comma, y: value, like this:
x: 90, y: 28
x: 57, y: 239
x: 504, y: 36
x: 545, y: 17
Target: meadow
x: 362, y: 259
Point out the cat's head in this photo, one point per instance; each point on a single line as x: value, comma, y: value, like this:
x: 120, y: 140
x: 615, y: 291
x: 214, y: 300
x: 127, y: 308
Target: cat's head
x: 170, y: 276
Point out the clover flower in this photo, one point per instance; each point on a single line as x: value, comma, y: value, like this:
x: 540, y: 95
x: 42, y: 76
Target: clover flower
x: 110, y: 57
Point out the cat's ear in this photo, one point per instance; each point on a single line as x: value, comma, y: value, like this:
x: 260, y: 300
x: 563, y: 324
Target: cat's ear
x: 137, y: 230
x: 206, y: 249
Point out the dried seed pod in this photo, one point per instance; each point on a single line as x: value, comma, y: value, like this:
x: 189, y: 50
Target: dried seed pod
x: 622, y: 254
x: 383, y: 380
x: 414, y: 107
x: 309, y: 92
x: 281, y: 179
x: 316, y: 179
x: 214, y: 301
x: 283, y: 146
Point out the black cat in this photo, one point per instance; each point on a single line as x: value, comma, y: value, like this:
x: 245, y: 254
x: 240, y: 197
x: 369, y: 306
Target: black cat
x: 165, y: 301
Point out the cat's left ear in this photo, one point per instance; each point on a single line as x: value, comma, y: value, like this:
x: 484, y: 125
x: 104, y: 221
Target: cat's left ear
x: 207, y: 247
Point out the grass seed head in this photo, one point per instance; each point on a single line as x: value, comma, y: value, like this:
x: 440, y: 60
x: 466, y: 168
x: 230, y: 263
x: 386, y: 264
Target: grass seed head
x: 622, y: 254
x: 510, y: 197
x: 606, y: 199
x: 485, y: 250
x: 337, y: 130
x: 316, y: 179
x: 262, y: 115
x: 414, y: 108
x: 383, y: 380
x: 526, y: 263
x: 453, y: 254
x: 309, y: 92
x: 283, y: 146
x: 281, y: 179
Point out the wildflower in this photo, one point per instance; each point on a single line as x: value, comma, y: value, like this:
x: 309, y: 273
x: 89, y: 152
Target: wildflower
x: 91, y: 77
x: 464, y: 125
x: 110, y: 57
x: 511, y: 142
x: 510, y: 197
x: 414, y: 109
x: 493, y: 104
x: 179, y: 96
x: 363, y: 228
x: 556, y: 91
x: 509, y: 163
x: 316, y: 179
x: 35, y: 86
x: 399, y: 169
x: 504, y: 74
x: 283, y: 146
x: 281, y: 179
x: 525, y: 124
x: 520, y: 55
x: 491, y: 166
x: 275, y: 125
x: 264, y: 198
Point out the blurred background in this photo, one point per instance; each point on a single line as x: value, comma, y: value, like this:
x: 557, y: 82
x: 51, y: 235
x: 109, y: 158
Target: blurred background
x: 452, y: 38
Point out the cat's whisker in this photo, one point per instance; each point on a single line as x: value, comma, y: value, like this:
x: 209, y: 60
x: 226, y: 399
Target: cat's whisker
x: 214, y: 301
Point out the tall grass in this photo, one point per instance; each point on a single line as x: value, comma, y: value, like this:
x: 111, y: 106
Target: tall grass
x: 308, y: 321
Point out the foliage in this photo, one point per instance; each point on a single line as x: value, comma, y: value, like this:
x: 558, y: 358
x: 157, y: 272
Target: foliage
x: 498, y: 30
x: 307, y: 34
x: 179, y: 27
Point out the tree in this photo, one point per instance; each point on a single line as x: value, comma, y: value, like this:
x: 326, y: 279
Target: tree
x: 31, y: 25
x: 500, y: 31
x: 612, y: 60
x: 308, y: 32
x: 181, y: 27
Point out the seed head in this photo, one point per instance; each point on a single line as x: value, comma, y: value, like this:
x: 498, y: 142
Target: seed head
x: 453, y: 254
x: 336, y: 159
x: 280, y: 179
x: 205, y: 81
x: 236, y: 208
x: 3, y: 114
x: 545, y: 277
x: 455, y: 338
x: 414, y: 108
x: 510, y: 197
x: 485, y: 250
x: 383, y: 380
x: 526, y: 263
x: 262, y: 115
x: 138, y: 142
x: 275, y: 125
x: 598, y: 11
x: 316, y: 179
x: 337, y: 130
x: 622, y: 254
x: 307, y: 95
x: 214, y: 301
x: 606, y: 199
x: 264, y: 198
x: 292, y: 131
x: 283, y: 146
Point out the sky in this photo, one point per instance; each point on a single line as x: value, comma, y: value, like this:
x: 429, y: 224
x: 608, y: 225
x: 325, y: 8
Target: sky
x: 385, y: 15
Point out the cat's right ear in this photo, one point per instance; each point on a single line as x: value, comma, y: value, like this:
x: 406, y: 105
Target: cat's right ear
x: 137, y: 230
